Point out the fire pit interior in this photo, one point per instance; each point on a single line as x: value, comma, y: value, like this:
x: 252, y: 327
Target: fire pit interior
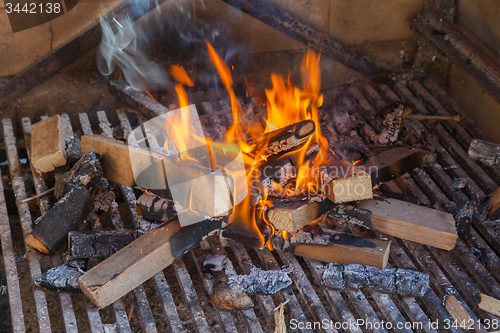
x: 252, y: 166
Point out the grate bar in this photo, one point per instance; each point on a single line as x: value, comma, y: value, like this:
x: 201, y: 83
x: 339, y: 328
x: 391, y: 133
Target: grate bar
x: 25, y: 217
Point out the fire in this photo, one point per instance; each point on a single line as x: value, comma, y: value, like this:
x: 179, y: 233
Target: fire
x: 286, y: 104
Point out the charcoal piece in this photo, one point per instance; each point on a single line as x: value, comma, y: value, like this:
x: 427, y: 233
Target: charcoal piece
x: 103, y: 200
x: 73, y: 150
x: 463, y: 218
x: 100, y: 244
x: 459, y: 182
x: 395, y: 281
x: 62, y: 278
x: 266, y: 282
x: 50, y: 234
x: 214, y: 263
x: 229, y: 295
x: 87, y: 172
x: 480, y: 254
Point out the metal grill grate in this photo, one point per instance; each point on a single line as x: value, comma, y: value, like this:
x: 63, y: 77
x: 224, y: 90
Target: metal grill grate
x: 176, y: 299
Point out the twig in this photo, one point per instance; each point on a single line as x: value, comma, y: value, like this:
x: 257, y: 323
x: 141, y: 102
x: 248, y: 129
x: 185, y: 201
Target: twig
x: 36, y: 196
x: 429, y: 117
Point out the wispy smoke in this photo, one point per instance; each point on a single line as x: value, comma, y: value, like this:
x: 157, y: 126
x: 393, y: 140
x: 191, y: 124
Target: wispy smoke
x: 122, y: 50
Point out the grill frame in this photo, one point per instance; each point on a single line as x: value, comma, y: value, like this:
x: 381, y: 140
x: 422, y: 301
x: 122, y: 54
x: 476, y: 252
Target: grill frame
x: 457, y: 272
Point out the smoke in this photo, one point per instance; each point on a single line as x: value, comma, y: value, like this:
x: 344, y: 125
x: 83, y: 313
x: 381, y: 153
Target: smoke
x: 123, y: 49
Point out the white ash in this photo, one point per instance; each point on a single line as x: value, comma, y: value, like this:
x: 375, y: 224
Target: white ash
x: 395, y: 281
x: 459, y: 182
x: 214, y: 263
x: 266, y: 282
x: 63, y: 278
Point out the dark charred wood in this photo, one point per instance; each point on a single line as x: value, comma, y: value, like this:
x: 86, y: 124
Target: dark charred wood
x: 484, y: 151
x: 289, y: 24
x: 64, y: 277
x: 463, y: 218
x: 394, y: 281
x: 87, y: 173
x: 73, y: 150
x: 50, y: 234
x: 103, y: 200
x: 285, y: 138
x: 391, y: 127
x: 153, y: 207
x: 266, y: 282
x: 100, y: 244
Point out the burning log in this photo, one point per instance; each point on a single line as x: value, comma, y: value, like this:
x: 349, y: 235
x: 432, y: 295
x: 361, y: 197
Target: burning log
x: 153, y: 207
x: 285, y: 138
x: 392, y: 163
x: 64, y: 277
x: 291, y: 215
x: 402, y: 219
x: 335, y: 247
x: 87, y: 173
x: 343, y: 182
x: 210, y: 194
x: 142, y: 259
x: 50, y: 234
x: 394, y: 281
x: 48, y: 145
x: 100, y: 244
x: 484, y: 151
x: 229, y: 295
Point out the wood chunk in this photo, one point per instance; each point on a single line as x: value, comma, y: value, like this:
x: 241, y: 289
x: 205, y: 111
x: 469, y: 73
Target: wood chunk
x: 50, y: 234
x: 100, y: 244
x: 153, y: 207
x: 87, y: 173
x: 484, y: 151
x: 489, y: 304
x: 398, y: 281
x: 229, y: 295
x: 285, y: 138
x: 291, y: 215
x: 210, y: 192
x: 343, y: 182
x: 392, y: 163
x: 404, y: 220
x: 142, y: 259
x: 48, y: 144
x: 335, y: 247
x: 457, y: 311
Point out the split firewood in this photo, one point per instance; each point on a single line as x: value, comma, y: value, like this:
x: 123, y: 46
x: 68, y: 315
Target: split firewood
x: 100, y: 244
x: 153, y: 207
x: 87, y: 173
x: 64, y: 277
x: 265, y: 282
x: 484, y: 151
x: 456, y: 310
x: 394, y: 281
x: 292, y: 214
x: 210, y: 192
x: 50, y: 234
x: 142, y: 259
x: 392, y: 163
x: 229, y: 295
x: 391, y: 127
x: 285, y: 138
x: 402, y: 219
x: 48, y: 145
x: 343, y: 182
x: 489, y: 304
x: 330, y: 246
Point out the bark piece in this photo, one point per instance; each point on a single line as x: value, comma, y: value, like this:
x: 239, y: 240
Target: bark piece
x: 394, y: 281
x: 142, y: 259
x: 153, y: 207
x: 100, y: 244
x: 484, y: 151
x: 229, y: 295
x: 48, y: 145
x: 87, y: 173
x: 50, y: 234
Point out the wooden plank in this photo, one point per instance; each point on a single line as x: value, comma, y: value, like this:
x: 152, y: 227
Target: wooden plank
x: 211, y: 193
x: 408, y: 221
x: 291, y: 215
x: 141, y: 260
x: 48, y: 149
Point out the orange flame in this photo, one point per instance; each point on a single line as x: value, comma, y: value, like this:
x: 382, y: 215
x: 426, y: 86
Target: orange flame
x: 180, y: 75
